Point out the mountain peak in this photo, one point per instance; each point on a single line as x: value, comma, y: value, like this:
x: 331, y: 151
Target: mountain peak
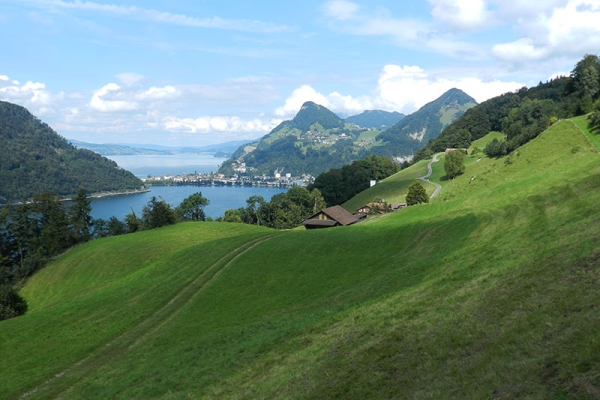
x: 311, y: 113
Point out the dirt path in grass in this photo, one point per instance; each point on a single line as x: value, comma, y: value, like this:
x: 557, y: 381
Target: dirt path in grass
x: 62, y: 383
x: 425, y: 178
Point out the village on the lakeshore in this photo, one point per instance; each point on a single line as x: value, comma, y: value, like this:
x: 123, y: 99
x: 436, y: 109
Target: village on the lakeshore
x: 278, y: 180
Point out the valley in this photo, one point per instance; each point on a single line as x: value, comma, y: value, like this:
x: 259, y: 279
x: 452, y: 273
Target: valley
x: 488, y: 291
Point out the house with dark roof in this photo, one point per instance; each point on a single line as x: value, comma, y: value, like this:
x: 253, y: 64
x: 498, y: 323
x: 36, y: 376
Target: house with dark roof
x: 377, y: 208
x: 328, y: 217
x: 371, y: 208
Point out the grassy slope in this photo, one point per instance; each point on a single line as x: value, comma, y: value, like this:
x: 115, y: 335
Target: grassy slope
x: 488, y: 292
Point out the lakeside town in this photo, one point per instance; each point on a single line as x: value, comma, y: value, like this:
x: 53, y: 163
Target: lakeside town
x: 278, y: 180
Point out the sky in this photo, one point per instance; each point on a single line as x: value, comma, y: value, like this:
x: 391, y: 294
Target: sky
x: 176, y: 72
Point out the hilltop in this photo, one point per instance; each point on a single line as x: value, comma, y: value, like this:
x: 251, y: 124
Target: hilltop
x: 412, y: 133
x: 34, y: 158
x: 489, y: 291
x: 375, y: 119
x: 317, y: 140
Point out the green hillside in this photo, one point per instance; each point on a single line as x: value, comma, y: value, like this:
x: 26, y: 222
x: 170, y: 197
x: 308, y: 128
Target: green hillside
x: 34, y: 158
x: 489, y: 291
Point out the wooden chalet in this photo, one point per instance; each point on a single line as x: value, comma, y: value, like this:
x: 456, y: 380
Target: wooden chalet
x: 381, y: 208
x: 368, y: 208
x: 328, y: 217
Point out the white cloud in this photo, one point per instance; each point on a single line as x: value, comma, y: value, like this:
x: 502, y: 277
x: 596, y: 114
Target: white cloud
x: 130, y: 78
x: 163, y: 17
x: 399, y: 88
x: 411, y: 33
x: 300, y: 96
x: 113, y: 92
x: 460, y: 14
x: 32, y: 95
x: 208, y: 124
x: 156, y: 93
x: 567, y: 29
x: 341, y: 9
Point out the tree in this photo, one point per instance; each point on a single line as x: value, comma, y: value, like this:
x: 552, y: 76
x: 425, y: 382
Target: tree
x: 11, y: 303
x: 157, y: 213
x: 80, y: 217
x: 232, y: 216
x: 132, y: 222
x: 495, y: 148
x: 254, y: 203
x: 454, y: 163
x: 115, y: 227
x: 192, y: 208
x: 52, y: 222
x: 416, y: 194
x: 317, y: 202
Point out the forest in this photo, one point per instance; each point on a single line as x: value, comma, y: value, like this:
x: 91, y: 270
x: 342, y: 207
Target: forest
x: 34, y: 159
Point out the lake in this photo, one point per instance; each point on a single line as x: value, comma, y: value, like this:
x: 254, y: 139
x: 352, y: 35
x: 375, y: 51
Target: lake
x: 221, y: 197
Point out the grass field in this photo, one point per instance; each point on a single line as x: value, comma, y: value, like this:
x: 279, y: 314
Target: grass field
x: 489, y: 291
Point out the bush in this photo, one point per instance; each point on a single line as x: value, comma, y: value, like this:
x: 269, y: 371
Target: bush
x: 11, y: 303
x: 495, y: 148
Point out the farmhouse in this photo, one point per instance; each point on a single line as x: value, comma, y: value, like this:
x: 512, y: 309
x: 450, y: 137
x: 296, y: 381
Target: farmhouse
x: 328, y: 217
x: 378, y: 208
x: 371, y: 208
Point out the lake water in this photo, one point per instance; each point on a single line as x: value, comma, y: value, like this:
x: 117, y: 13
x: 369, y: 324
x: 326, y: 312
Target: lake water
x: 221, y: 197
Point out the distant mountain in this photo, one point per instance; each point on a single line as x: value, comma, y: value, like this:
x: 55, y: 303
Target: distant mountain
x: 34, y: 158
x: 311, y: 114
x: 413, y: 132
x: 115, y: 149
x: 317, y: 140
x: 375, y: 119
x: 221, y: 149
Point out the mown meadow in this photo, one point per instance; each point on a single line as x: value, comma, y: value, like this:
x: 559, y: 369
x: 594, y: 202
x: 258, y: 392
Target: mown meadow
x: 489, y: 291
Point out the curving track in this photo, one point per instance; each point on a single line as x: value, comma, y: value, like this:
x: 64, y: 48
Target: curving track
x: 425, y: 178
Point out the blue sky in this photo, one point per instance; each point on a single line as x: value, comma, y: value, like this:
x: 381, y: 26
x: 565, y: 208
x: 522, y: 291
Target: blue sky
x: 201, y: 72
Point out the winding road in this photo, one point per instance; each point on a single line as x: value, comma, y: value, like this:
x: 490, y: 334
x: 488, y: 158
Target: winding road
x: 425, y: 178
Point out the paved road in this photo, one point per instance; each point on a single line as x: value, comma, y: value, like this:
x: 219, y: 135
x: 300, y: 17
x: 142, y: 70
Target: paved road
x: 425, y: 178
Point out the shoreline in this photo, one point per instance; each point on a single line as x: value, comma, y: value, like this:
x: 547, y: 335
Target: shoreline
x: 100, y: 195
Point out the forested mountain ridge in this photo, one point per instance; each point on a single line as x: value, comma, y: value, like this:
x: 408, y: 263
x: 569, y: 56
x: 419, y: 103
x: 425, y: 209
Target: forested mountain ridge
x: 524, y: 114
x: 317, y: 140
x: 410, y: 134
x: 375, y: 119
x: 34, y: 158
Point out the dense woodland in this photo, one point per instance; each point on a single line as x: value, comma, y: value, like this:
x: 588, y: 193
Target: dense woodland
x: 523, y: 115
x: 341, y: 184
x: 34, y: 159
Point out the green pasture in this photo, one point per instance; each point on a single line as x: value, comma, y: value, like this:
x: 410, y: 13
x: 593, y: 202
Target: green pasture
x: 489, y: 291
